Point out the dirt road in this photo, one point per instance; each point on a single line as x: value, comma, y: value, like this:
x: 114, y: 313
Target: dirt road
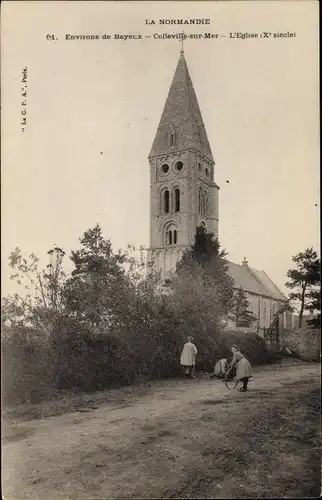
x: 171, y: 439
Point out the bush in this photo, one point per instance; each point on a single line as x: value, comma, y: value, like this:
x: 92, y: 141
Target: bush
x: 89, y: 361
x: 78, y: 360
x: 35, y: 368
x: 108, y: 323
x: 27, y: 368
x: 305, y: 343
x: 250, y: 344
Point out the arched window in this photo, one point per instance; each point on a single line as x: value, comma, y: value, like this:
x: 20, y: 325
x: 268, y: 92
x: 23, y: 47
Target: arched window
x: 203, y: 199
x: 171, y: 138
x: 177, y: 200
x: 171, y: 234
x: 166, y: 202
x: 199, y: 201
x: 179, y: 166
x: 206, y: 205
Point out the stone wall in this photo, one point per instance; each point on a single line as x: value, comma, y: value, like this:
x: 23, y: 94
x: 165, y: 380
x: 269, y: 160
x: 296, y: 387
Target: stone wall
x: 305, y: 343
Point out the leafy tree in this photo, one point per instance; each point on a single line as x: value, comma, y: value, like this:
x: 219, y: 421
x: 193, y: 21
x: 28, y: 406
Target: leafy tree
x: 304, y: 279
x: 241, y: 314
x: 194, y: 302
x: 314, y: 304
x: 15, y: 311
x: 201, y: 293
x: 43, y: 298
x: 206, y: 254
x: 98, y: 293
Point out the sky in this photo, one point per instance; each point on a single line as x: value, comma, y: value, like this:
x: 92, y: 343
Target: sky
x: 93, y: 107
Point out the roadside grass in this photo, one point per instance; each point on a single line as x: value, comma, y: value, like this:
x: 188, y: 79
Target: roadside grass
x: 122, y: 397
x: 69, y: 403
x: 272, y: 449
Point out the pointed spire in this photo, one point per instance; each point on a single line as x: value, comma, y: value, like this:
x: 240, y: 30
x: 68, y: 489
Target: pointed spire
x: 182, y: 117
x: 182, y: 40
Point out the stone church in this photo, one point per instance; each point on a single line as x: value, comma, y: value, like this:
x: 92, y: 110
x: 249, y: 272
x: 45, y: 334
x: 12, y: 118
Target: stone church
x: 184, y: 194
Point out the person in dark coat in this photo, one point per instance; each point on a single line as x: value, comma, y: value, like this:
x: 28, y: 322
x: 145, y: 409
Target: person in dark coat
x: 243, y: 367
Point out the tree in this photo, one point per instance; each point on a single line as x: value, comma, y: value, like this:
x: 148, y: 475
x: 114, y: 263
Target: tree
x: 206, y: 254
x: 304, y: 279
x: 15, y: 311
x: 98, y: 293
x: 195, y: 303
x: 314, y: 304
x: 241, y: 314
x: 202, y: 293
x: 43, y: 299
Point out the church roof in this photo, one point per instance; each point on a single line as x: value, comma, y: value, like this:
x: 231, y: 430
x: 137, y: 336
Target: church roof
x: 182, y: 115
x: 254, y: 281
x: 269, y: 285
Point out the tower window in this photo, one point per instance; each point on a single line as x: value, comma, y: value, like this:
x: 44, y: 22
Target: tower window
x: 177, y: 200
x: 203, y: 202
x: 165, y: 168
x: 199, y: 167
x: 170, y: 235
x: 207, y: 172
x: 166, y: 200
x: 179, y: 165
x: 171, y: 139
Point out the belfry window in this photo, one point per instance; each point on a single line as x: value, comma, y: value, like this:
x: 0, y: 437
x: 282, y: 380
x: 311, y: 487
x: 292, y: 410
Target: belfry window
x: 203, y: 202
x: 166, y: 202
x: 171, y: 235
x: 177, y: 200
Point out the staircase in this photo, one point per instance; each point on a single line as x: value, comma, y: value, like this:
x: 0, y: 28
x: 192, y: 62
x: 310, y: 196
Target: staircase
x: 272, y: 334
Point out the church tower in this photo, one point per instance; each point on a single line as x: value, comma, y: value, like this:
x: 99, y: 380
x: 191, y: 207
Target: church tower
x: 183, y: 193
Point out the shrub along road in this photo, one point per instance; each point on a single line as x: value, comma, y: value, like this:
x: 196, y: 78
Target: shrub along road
x: 171, y: 439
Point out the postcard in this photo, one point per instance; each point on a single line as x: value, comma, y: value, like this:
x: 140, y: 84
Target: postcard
x: 160, y: 249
